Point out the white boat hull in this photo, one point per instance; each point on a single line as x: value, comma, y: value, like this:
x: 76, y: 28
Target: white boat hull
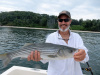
x: 18, y: 70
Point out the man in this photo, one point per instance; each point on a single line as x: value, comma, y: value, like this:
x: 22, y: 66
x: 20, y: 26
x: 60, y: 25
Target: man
x: 64, y: 36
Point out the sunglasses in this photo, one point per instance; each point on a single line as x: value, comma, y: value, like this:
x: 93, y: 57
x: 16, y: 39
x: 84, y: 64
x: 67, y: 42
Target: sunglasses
x: 65, y: 20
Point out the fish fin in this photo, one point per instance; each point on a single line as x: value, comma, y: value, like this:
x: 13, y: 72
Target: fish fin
x: 26, y: 44
x: 5, y: 59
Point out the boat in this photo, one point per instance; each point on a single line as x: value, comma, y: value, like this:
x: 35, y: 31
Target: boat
x: 18, y: 70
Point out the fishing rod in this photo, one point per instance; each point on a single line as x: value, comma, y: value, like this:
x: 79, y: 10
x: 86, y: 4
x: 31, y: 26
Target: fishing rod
x: 88, y: 69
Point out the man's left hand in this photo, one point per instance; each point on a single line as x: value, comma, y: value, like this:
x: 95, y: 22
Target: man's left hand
x: 80, y: 55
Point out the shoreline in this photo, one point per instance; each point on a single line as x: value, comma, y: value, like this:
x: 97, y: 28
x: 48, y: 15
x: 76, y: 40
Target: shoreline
x: 48, y: 29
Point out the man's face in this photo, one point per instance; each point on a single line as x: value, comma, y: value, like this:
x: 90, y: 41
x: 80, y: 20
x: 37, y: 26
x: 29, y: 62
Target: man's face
x: 64, y: 24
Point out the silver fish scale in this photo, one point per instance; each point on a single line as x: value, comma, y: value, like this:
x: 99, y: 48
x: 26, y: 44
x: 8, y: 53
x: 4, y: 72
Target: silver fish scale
x: 41, y: 47
x: 44, y: 49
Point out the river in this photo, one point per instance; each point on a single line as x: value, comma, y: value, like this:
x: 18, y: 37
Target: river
x: 15, y: 38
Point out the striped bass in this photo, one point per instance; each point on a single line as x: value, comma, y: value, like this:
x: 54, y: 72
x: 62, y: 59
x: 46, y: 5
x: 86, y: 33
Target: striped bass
x: 47, y: 51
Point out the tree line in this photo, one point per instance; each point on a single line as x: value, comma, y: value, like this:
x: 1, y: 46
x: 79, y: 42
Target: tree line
x: 31, y: 19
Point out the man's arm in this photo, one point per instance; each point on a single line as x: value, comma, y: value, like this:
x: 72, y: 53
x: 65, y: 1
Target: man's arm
x: 82, y: 54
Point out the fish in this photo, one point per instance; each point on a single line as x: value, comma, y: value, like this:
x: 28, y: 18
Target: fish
x: 48, y: 51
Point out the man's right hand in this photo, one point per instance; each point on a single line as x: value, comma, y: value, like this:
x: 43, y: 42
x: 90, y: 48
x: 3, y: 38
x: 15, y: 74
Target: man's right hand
x: 34, y: 55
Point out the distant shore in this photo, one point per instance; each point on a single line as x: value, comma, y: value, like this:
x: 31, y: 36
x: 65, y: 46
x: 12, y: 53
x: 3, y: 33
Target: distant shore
x: 47, y: 29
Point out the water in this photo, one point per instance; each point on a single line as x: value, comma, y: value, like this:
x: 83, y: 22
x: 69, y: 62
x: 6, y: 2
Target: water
x: 15, y: 38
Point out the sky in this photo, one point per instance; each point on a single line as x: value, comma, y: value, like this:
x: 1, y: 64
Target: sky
x: 79, y: 9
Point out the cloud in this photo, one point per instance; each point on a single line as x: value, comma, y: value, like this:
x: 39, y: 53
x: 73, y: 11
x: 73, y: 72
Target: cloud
x: 27, y: 1
x: 5, y: 2
x: 87, y: 9
x: 7, y: 9
x: 47, y: 8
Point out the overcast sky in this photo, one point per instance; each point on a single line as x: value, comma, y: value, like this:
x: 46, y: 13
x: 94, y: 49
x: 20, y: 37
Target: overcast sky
x: 86, y: 9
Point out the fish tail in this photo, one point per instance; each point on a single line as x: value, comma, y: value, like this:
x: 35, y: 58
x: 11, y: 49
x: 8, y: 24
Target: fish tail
x: 5, y: 58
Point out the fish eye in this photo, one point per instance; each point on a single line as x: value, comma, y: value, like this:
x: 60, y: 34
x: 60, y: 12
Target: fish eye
x: 70, y: 51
